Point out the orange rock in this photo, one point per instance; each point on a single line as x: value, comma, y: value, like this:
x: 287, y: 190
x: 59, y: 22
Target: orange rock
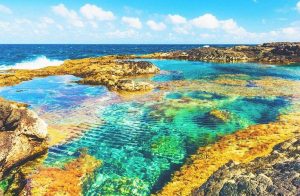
x: 66, y: 181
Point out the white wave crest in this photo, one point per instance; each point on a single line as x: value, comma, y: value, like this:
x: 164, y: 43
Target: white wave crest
x: 37, y: 63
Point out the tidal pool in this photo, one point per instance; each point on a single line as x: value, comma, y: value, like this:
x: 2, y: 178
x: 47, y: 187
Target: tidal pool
x: 142, y: 141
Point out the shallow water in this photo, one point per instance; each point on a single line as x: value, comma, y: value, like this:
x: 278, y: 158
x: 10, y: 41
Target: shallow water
x: 141, y: 143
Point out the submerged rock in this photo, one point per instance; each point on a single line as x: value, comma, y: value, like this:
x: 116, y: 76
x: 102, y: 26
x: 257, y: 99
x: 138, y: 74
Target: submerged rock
x: 224, y: 116
x: 62, y: 181
x: 275, y: 174
x: 22, y: 135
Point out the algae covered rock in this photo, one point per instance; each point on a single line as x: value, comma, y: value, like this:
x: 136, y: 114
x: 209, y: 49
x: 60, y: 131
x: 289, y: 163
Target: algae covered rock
x: 222, y: 115
x: 124, y: 186
x: 275, y: 174
x: 62, y: 181
x: 22, y: 135
x: 114, y: 72
x: 130, y: 85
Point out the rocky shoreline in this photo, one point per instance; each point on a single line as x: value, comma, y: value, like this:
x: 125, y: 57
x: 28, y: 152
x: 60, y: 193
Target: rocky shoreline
x: 23, y: 135
x: 275, y: 174
x: 277, y: 53
x: 114, y: 72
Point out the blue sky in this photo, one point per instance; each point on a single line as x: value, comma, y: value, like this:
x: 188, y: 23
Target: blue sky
x: 145, y: 21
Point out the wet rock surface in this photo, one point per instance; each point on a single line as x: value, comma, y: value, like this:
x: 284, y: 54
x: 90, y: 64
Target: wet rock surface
x: 275, y: 174
x: 279, y: 53
x: 114, y: 72
x: 22, y: 135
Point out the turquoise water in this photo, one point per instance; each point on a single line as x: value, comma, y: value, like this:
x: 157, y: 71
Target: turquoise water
x: 141, y: 143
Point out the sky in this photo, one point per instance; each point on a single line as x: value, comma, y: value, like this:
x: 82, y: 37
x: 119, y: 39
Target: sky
x: 149, y: 21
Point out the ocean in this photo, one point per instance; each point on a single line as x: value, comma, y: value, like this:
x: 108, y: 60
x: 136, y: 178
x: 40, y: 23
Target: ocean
x: 33, y: 56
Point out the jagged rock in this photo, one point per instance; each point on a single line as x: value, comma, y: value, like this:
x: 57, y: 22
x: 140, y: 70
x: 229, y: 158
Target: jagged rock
x: 22, y: 135
x: 281, y: 52
x: 110, y: 71
x: 275, y: 174
x: 130, y: 85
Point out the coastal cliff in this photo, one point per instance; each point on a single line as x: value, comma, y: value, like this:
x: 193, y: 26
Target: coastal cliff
x: 278, y: 53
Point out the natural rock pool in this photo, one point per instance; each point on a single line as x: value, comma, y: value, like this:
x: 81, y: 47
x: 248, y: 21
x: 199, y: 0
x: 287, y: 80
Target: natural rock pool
x: 142, y: 139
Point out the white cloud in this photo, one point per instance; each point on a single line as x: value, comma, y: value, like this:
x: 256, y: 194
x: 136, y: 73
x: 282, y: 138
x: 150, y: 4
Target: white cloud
x: 5, y: 10
x: 122, y: 34
x: 231, y: 27
x: 290, y: 31
x: 47, y: 20
x: 156, y: 26
x: 182, y: 30
x: 4, y: 26
x: 69, y: 15
x: 177, y: 19
x: 132, y: 22
x: 92, y: 12
x: 211, y: 22
x: 206, y: 21
x: 298, y: 6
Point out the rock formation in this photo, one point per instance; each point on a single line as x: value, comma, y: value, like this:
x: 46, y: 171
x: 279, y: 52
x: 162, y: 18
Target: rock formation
x: 279, y: 53
x: 22, y: 135
x: 275, y: 174
x: 111, y: 71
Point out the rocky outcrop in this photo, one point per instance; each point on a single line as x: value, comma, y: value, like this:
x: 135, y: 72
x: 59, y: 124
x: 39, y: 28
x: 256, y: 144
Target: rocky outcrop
x: 22, y: 135
x: 280, y: 53
x: 114, y: 72
x: 275, y: 174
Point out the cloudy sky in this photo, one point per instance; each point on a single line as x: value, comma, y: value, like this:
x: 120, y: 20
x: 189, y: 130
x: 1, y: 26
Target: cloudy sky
x: 149, y: 21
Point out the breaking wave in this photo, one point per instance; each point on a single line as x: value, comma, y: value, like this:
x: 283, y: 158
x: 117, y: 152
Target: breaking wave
x: 37, y: 63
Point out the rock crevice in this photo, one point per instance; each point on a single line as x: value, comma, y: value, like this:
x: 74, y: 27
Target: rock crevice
x: 23, y: 135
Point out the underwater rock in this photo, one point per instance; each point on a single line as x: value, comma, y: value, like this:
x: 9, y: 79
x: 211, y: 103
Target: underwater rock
x: 62, y: 181
x: 275, y: 174
x: 281, y: 53
x: 224, y: 116
x: 124, y: 186
x: 110, y: 71
x: 22, y: 135
x: 170, y: 147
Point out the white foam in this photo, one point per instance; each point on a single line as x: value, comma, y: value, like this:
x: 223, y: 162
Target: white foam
x: 37, y: 63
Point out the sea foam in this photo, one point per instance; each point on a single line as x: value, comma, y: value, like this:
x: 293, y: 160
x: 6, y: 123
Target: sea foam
x: 37, y: 63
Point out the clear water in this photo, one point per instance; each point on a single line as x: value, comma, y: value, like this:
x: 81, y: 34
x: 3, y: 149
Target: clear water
x: 141, y: 143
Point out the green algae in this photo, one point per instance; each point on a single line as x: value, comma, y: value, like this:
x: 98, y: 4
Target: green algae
x: 4, y: 185
x: 171, y: 147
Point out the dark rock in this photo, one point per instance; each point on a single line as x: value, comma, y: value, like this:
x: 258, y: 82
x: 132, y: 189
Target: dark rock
x: 275, y: 174
x: 279, y: 53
